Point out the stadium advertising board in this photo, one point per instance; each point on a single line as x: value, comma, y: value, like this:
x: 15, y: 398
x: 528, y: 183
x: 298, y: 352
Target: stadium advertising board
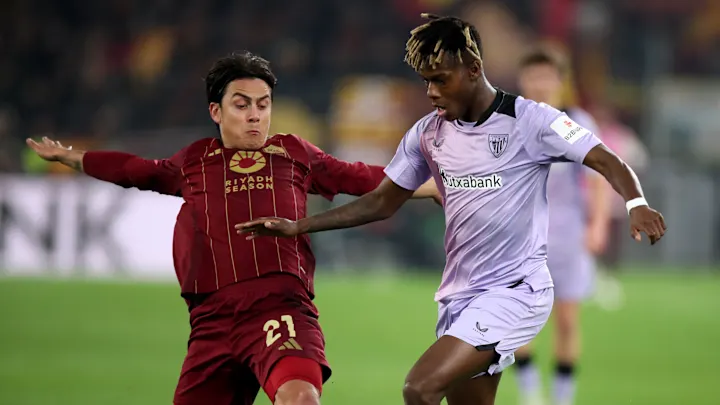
x: 73, y: 226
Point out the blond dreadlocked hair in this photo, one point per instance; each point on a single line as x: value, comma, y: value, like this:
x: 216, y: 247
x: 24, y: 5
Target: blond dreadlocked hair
x: 431, y: 42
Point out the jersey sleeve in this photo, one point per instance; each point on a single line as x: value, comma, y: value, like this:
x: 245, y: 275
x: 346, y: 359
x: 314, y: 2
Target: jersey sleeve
x: 126, y: 170
x: 408, y: 168
x: 331, y: 176
x: 555, y: 137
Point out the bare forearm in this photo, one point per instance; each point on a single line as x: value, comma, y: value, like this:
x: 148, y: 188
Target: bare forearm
x: 623, y: 180
x: 427, y: 190
x: 366, y: 209
x: 620, y: 176
x: 73, y: 159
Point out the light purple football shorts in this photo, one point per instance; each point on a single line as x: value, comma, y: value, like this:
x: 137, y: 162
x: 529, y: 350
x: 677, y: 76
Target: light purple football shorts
x: 506, y: 318
x: 573, y: 273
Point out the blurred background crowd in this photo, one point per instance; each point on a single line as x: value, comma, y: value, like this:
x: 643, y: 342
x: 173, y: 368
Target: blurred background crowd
x: 127, y: 75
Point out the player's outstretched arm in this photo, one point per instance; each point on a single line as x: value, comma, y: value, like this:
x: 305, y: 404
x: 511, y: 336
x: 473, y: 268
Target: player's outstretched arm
x: 377, y: 205
x: 120, y: 168
x: 623, y: 179
x: 54, y: 151
x: 332, y: 176
x: 429, y: 190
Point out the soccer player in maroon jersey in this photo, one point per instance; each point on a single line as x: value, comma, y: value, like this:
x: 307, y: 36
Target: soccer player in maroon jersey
x: 253, y: 322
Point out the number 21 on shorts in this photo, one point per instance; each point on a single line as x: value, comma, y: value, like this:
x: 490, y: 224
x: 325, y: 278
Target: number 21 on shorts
x: 272, y: 325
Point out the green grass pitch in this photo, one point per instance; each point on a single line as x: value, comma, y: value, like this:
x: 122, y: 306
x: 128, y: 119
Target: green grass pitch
x: 88, y: 342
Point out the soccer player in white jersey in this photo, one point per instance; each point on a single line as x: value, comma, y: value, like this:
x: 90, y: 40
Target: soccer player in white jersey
x: 490, y: 153
x: 579, y: 206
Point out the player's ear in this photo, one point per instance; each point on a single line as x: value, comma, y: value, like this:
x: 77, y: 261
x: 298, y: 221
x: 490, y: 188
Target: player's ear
x: 214, y: 109
x: 475, y: 70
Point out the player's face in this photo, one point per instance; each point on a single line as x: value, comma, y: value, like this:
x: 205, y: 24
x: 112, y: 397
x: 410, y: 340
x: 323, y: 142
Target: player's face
x: 244, y: 114
x: 541, y: 83
x: 449, y: 88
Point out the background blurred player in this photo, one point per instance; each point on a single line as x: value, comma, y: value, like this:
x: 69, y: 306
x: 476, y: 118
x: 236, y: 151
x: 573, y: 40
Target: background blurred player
x: 579, y: 206
x: 236, y: 177
x: 491, y: 151
x: 624, y: 141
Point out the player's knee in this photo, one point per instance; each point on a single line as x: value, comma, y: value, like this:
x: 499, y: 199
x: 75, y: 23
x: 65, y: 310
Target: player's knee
x: 297, y: 392
x: 422, y: 391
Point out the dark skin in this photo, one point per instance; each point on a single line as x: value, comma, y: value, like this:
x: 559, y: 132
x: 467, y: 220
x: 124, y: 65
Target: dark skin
x: 446, y: 369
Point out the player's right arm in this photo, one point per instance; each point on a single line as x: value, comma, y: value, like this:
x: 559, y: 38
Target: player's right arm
x: 407, y: 171
x: 123, y: 169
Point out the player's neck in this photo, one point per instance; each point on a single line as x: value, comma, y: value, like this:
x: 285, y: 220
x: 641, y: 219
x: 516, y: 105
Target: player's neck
x: 484, y: 98
x: 241, y: 144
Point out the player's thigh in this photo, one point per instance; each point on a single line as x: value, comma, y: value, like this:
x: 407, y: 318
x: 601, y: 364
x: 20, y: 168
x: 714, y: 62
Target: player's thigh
x: 475, y: 391
x: 505, y: 320
x: 448, y: 361
x: 277, y: 332
x: 210, y: 375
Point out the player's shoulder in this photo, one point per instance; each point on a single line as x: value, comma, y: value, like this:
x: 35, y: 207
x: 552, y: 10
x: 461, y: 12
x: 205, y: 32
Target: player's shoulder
x: 578, y: 113
x: 533, y: 114
x: 290, y: 145
x: 582, y: 117
x: 202, y: 147
x: 526, y: 108
x: 288, y: 141
x: 430, y: 122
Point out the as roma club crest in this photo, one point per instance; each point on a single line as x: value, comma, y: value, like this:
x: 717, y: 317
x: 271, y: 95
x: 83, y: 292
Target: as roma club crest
x: 498, y: 143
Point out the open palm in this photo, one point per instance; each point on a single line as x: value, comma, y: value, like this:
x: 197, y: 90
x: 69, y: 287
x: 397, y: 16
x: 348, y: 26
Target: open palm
x: 48, y: 149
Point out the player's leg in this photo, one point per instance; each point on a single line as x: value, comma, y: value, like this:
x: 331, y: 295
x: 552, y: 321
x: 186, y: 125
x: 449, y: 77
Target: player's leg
x: 295, y: 381
x: 567, y: 350
x: 609, y: 294
x: 209, y: 373
x: 449, y: 361
x: 481, y: 340
x: 528, y: 379
x: 573, y: 284
x: 479, y: 390
x: 282, y: 342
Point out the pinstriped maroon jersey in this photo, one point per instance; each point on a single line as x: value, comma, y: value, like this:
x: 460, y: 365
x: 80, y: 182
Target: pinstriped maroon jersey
x: 223, y: 187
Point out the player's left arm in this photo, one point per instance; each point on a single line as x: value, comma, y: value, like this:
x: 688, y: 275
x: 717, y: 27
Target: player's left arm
x: 331, y: 176
x: 562, y: 139
x: 623, y: 179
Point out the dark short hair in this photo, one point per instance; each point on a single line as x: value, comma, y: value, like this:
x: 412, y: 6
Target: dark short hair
x: 237, y: 65
x: 544, y: 57
x: 442, y: 37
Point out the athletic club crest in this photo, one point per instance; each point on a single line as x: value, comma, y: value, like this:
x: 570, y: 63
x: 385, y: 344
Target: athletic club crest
x: 498, y: 143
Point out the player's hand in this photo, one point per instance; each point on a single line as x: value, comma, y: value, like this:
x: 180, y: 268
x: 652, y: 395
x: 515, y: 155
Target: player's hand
x: 272, y: 226
x: 52, y: 151
x: 647, y: 220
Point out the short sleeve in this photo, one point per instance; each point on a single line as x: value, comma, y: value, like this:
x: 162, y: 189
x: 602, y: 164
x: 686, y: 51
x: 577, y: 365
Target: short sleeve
x: 408, y: 168
x: 555, y: 137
